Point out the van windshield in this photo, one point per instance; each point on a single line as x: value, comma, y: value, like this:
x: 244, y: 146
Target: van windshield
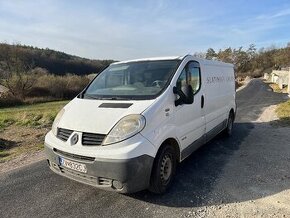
x: 133, y: 80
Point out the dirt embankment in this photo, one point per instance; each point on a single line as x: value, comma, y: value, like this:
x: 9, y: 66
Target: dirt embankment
x: 23, y: 146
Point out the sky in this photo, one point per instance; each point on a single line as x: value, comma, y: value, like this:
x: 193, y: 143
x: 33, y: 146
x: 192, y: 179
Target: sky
x: 121, y: 30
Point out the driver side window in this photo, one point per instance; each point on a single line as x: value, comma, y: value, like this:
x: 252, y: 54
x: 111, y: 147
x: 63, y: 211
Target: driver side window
x: 181, y: 81
x: 190, y: 75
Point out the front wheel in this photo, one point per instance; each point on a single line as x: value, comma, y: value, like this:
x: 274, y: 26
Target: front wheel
x: 163, y: 171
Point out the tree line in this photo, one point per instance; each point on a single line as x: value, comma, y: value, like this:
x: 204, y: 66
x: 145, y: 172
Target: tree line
x: 54, y: 62
x: 34, y: 74
x: 251, y: 61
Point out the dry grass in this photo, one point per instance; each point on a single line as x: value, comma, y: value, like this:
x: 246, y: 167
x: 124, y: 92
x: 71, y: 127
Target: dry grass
x: 283, y: 112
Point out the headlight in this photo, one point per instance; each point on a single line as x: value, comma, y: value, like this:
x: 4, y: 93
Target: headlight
x: 127, y: 127
x: 56, y: 121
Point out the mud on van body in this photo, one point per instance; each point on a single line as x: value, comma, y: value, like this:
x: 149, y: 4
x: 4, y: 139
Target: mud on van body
x: 130, y: 127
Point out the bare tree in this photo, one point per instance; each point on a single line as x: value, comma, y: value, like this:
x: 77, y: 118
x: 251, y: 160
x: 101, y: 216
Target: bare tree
x: 16, y: 74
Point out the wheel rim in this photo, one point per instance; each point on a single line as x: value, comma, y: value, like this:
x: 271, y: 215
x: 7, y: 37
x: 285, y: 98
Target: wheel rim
x: 166, y: 168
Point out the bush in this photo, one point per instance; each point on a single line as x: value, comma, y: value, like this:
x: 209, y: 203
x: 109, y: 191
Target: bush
x: 47, y: 87
x: 59, y: 87
x: 39, y: 92
x: 8, y: 100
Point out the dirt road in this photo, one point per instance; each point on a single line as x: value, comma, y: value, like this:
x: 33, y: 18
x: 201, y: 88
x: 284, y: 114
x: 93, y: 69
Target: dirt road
x: 243, y: 176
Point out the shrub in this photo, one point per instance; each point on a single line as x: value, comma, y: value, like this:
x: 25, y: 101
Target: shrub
x: 60, y: 87
x: 8, y: 100
x: 47, y: 87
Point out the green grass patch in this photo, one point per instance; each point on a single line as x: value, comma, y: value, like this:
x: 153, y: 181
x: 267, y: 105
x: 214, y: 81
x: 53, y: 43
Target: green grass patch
x: 283, y: 112
x: 35, y: 115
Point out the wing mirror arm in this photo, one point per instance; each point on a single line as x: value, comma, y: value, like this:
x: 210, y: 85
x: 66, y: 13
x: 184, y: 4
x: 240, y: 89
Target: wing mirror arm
x: 185, y: 95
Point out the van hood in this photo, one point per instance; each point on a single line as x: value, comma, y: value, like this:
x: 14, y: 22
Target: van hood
x: 98, y: 116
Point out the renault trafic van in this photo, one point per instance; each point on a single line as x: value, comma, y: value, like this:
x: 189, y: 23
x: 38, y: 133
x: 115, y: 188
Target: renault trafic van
x: 130, y: 127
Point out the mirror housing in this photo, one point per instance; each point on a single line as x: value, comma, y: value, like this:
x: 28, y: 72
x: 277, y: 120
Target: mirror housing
x: 185, y: 95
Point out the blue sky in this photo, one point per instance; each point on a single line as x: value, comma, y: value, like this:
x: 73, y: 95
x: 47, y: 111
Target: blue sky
x: 122, y: 30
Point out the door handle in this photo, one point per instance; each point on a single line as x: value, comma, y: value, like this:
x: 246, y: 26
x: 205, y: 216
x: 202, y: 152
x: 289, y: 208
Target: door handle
x: 202, y: 101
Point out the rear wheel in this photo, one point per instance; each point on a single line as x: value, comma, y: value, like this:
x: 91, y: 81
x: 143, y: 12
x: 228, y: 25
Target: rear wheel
x: 229, y: 129
x: 163, y: 171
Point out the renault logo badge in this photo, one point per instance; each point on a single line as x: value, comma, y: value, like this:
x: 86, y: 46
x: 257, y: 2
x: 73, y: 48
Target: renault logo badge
x: 74, y: 139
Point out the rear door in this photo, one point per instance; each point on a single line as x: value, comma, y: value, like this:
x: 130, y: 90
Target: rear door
x: 190, y: 120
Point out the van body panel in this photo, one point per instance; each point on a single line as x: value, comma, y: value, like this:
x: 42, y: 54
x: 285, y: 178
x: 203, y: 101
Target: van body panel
x: 86, y: 115
x: 130, y: 148
x: 220, y: 94
x: 160, y: 119
x: 190, y: 119
x: 190, y: 122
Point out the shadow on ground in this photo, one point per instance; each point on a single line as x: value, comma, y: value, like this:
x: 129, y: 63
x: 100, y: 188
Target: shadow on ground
x: 6, y: 144
x: 282, y: 122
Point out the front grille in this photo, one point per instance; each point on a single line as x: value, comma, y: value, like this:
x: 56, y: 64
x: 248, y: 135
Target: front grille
x: 63, y: 134
x: 91, y: 139
x: 74, y: 156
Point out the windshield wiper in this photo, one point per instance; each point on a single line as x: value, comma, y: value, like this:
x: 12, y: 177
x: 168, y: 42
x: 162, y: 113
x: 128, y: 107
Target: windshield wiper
x: 106, y: 98
x: 115, y: 98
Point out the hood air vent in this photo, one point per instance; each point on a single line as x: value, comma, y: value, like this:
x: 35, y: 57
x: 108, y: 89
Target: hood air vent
x: 115, y: 105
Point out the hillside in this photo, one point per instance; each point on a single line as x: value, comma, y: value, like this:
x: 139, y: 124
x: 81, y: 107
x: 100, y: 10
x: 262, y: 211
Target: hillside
x: 54, y: 62
x: 247, y: 61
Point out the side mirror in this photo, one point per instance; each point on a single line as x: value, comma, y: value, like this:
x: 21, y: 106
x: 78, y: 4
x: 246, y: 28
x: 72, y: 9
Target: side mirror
x: 185, y: 95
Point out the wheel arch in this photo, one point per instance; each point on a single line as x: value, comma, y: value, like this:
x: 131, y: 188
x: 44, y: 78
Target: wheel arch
x: 174, y: 143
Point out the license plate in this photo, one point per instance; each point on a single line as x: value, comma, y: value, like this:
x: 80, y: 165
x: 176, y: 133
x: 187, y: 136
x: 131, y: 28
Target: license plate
x: 73, y: 165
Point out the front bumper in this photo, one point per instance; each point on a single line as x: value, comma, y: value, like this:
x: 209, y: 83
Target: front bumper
x: 121, y: 175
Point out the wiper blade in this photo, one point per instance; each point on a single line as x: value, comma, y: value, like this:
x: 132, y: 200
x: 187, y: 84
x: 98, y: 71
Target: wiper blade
x: 106, y: 98
x: 115, y: 98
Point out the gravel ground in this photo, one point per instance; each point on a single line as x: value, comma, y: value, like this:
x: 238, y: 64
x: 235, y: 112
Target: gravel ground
x: 246, y: 175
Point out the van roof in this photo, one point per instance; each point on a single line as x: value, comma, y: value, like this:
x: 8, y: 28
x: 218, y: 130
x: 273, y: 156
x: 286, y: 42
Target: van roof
x: 151, y: 59
x: 213, y: 62
x: 201, y: 60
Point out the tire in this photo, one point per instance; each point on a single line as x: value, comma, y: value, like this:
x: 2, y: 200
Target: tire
x: 163, y: 170
x: 229, y: 129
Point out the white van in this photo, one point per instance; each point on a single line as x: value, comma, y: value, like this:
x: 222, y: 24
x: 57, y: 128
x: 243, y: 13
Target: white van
x: 130, y: 127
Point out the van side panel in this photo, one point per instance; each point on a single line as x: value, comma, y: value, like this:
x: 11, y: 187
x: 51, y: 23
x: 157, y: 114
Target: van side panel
x: 218, y: 89
x: 219, y: 82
